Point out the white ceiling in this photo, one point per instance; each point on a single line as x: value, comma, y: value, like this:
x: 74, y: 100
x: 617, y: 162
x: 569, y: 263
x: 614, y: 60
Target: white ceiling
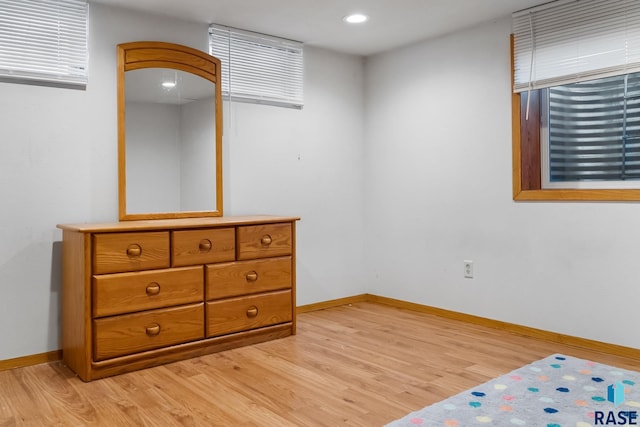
x: 392, y: 23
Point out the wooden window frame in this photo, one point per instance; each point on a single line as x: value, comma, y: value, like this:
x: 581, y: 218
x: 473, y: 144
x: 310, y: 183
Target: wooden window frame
x: 527, y: 183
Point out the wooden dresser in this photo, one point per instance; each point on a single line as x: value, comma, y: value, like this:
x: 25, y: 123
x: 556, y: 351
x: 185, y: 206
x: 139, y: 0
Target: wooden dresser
x: 142, y: 293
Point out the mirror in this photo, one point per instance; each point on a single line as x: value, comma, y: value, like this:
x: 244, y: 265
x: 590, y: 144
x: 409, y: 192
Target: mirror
x: 169, y: 132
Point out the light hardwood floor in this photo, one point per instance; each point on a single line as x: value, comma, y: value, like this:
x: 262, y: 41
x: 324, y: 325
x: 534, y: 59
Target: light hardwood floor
x: 359, y: 365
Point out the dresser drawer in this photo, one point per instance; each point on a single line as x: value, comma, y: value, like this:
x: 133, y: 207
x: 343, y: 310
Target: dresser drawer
x: 247, y: 277
x: 263, y: 241
x: 119, y: 252
x: 191, y: 247
x: 129, y: 292
x: 239, y: 314
x: 133, y: 333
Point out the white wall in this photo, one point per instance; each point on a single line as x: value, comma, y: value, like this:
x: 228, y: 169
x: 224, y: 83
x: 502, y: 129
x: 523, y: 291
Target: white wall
x: 438, y: 181
x: 58, y: 164
x: 307, y: 163
x: 395, y: 216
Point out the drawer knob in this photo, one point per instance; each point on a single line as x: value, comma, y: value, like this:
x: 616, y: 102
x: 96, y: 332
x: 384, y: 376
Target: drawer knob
x: 205, y: 245
x: 134, y: 250
x: 153, y: 330
x: 252, y: 276
x: 252, y: 312
x: 153, y: 289
x: 266, y: 240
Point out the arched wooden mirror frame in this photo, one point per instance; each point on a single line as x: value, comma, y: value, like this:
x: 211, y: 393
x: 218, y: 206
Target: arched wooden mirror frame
x: 144, y: 54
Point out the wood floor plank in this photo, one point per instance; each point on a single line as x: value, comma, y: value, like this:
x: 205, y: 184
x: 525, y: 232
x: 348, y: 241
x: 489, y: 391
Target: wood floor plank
x: 361, y: 364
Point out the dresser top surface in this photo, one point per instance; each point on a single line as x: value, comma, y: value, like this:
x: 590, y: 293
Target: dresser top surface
x: 157, y: 224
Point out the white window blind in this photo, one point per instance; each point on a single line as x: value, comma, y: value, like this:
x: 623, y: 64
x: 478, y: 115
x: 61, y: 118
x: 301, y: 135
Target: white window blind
x: 570, y: 41
x: 258, y: 68
x: 44, y: 40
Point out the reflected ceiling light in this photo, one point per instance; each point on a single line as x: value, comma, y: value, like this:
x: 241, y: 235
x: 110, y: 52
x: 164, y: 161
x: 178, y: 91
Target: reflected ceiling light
x: 168, y: 85
x: 355, y: 18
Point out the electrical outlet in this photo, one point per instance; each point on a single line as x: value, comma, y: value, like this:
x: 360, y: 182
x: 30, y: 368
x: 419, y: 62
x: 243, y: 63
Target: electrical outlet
x: 468, y: 269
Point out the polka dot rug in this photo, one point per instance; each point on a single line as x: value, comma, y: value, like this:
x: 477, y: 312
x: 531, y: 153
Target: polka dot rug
x: 558, y: 391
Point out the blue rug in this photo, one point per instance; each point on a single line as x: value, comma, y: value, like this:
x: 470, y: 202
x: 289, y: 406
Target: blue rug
x: 558, y: 391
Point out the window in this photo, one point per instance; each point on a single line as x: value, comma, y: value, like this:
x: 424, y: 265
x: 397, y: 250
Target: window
x: 44, y: 41
x: 576, y: 103
x: 258, y: 68
x: 591, y: 134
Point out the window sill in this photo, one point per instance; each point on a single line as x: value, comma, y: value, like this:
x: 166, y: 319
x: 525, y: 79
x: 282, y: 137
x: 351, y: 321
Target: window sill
x: 609, y: 195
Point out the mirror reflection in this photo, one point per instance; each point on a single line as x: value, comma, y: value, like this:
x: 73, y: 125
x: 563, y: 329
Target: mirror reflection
x: 170, y: 141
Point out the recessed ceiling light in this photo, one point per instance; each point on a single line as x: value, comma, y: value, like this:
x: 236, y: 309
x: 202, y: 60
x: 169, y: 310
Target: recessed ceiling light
x: 168, y: 84
x: 355, y: 18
